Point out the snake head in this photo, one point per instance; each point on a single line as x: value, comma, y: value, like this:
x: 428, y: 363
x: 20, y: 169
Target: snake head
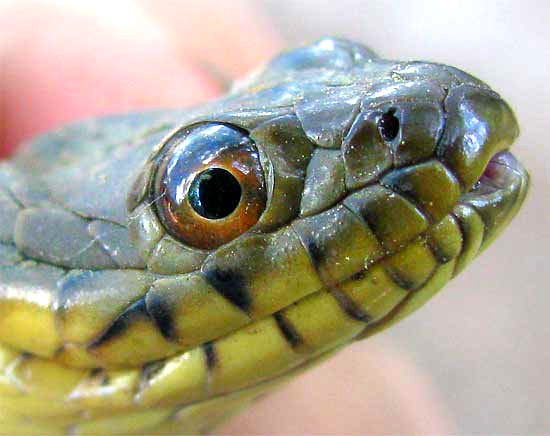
x: 374, y: 183
x: 326, y: 196
x: 168, y: 266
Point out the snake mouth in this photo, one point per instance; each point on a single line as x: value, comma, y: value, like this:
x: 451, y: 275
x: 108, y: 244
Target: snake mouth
x: 503, y: 172
x: 498, y: 194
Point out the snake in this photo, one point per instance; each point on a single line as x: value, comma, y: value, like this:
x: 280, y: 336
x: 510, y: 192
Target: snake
x: 162, y: 269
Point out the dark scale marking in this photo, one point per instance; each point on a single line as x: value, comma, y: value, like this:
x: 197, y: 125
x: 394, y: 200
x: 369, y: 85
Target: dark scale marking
x: 408, y: 286
x: 436, y: 249
x: 151, y: 369
x: 315, y: 253
x: 360, y: 275
x: 410, y: 197
x: 385, y: 319
x: 288, y: 330
x: 399, y: 280
x: 105, y: 380
x: 135, y: 312
x: 211, y: 355
x: 94, y: 372
x: 161, y: 313
x: 349, y: 307
x: 438, y: 254
x: 370, y: 214
x: 466, y: 233
x: 363, y: 217
x: 25, y: 355
x: 231, y: 284
x: 463, y: 233
x: 99, y: 376
x: 148, y: 372
x: 466, y: 239
x: 68, y: 284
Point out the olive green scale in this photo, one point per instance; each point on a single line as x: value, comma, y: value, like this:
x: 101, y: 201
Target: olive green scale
x: 108, y: 324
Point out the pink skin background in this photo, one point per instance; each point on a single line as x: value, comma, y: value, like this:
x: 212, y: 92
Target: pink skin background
x: 61, y: 61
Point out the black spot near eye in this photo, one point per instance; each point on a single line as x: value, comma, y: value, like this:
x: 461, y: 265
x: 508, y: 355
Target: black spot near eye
x: 388, y: 125
x: 215, y: 193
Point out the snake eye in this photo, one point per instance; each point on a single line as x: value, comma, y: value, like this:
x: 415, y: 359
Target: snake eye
x: 209, y: 187
x: 388, y: 125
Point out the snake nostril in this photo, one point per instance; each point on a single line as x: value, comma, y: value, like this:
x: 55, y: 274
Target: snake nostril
x: 388, y: 125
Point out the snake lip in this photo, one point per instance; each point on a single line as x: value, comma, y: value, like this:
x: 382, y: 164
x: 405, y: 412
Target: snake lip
x: 502, y: 173
x: 498, y: 194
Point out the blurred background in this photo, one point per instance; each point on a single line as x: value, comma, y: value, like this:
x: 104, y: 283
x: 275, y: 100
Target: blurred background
x: 474, y: 359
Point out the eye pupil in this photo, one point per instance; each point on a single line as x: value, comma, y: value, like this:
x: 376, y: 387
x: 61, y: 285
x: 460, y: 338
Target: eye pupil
x: 388, y: 124
x: 215, y: 193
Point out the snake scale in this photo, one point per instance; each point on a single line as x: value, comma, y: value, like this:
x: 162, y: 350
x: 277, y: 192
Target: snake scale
x: 160, y: 270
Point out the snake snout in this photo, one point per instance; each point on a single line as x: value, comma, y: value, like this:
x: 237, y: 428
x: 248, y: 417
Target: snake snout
x: 480, y: 125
